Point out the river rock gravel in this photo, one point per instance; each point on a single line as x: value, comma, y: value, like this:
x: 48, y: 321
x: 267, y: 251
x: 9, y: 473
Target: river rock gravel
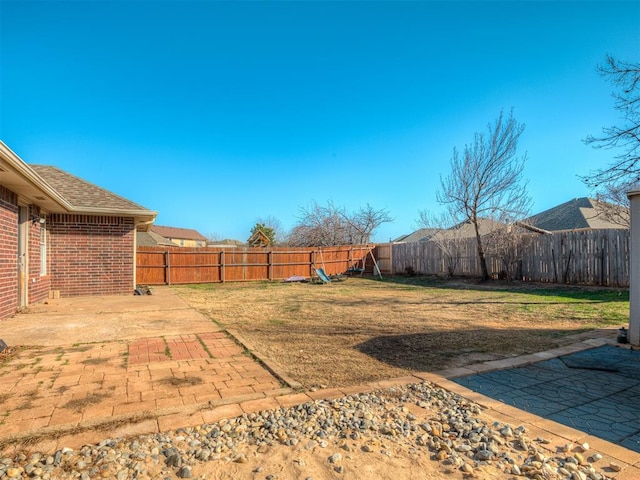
x: 418, y: 419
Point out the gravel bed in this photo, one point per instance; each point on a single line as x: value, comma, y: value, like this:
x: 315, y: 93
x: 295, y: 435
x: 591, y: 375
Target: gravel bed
x: 451, y: 432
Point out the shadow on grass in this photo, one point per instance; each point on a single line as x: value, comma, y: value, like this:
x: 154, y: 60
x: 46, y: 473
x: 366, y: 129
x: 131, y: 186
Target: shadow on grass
x: 570, y: 292
x: 445, y: 349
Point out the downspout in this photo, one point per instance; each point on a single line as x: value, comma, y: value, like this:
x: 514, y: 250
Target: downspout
x: 135, y: 255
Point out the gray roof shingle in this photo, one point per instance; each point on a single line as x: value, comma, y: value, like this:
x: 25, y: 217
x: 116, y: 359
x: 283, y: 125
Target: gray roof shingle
x: 82, y: 194
x: 152, y: 239
x: 462, y: 230
x: 572, y: 215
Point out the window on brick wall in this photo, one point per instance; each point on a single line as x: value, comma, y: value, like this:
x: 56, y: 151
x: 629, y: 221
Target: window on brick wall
x: 43, y: 247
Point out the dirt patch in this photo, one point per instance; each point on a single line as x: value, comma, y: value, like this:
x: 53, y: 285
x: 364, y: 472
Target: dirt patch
x: 186, y: 381
x: 9, y: 354
x: 94, y: 361
x: 27, y: 399
x: 80, y: 349
x: 79, y: 404
x: 362, y: 330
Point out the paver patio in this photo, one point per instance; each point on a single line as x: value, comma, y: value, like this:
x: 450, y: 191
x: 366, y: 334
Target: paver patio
x: 121, y: 371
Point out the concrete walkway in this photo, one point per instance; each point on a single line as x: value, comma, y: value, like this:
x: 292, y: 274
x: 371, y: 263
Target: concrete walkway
x: 595, y: 390
x: 107, y: 367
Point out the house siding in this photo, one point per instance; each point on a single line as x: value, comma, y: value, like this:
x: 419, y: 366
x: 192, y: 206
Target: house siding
x: 8, y: 252
x: 91, y: 255
x: 188, y: 243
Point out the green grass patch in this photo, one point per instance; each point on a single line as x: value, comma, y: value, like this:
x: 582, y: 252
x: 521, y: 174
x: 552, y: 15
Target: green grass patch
x: 167, y: 350
x: 204, y: 347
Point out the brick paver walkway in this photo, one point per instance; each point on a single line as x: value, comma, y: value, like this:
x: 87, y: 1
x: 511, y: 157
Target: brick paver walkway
x: 67, y: 386
x: 183, y: 347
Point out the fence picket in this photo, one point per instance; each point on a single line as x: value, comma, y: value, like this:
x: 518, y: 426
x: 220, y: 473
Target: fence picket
x: 179, y: 265
x: 582, y: 257
x: 597, y: 257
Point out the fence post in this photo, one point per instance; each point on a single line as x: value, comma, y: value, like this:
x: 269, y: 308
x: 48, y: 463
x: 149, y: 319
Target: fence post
x: 270, y: 265
x: 167, y: 268
x: 312, y: 262
x: 222, y: 266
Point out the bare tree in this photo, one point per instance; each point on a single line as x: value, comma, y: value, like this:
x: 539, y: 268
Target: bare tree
x: 213, y: 237
x: 364, y: 221
x: 320, y: 225
x: 626, y: 167
x: 612, y: 182
x: 446, y: 236
x: 613, y: 205
x: 486, y: 180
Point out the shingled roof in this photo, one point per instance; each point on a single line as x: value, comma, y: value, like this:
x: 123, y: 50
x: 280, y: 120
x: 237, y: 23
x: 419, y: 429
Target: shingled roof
x: 579, y: 213
x: 419, y: 235
x: 82, y: 194
x: 461, y: 230
x: 175, y: 232
x: 152, y: 239
x: 56, y: 191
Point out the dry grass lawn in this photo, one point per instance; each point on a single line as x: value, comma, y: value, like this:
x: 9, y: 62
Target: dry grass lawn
x: 361, y: 330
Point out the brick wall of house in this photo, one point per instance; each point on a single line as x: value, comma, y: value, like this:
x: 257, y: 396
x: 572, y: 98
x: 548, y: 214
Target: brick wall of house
x: 39, y: 285
x: 91, y: 255
x: 8, y: 252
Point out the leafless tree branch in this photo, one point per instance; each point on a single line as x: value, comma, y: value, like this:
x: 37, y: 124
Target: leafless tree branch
x: 625, y: 169
x: 325, y: 225
x: 486, y: 180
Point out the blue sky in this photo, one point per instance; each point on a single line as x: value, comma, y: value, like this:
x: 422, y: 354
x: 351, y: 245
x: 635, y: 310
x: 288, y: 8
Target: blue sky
x: 217, y: 114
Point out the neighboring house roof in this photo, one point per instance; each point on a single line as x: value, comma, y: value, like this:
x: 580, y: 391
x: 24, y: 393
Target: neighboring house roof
x: 181, y: 233
x: 225, y: 243
x: 467, y: 230
x: 579, y: 213
x: 419, y: 235
x: 152, y: 239
x: 462, y: 230
x: 56, y: 191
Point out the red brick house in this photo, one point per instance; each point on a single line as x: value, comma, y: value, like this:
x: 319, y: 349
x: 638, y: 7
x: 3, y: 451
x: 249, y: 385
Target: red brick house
x: 59, y: 233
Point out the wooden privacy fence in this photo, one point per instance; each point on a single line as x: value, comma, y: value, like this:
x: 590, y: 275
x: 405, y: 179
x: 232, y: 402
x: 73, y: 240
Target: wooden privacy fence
x: 581, y: 257
x: 179, y: 265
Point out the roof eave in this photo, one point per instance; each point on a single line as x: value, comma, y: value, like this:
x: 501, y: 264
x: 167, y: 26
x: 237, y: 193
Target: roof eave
x: 633, y: 193
x: 23, y: 170
x: 143, y: 218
